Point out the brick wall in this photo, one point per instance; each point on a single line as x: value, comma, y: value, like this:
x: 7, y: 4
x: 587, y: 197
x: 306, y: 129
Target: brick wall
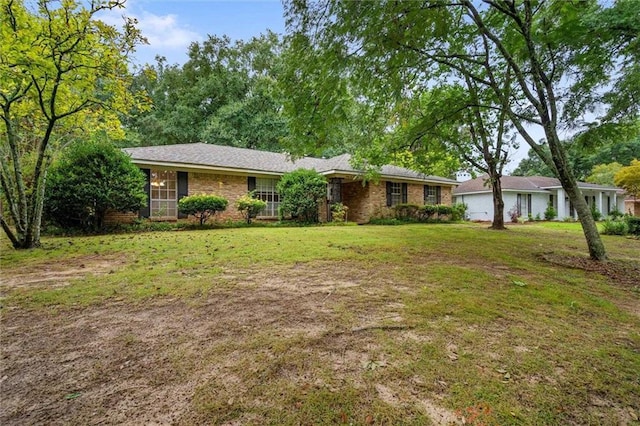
x: 227, y: 186
x: 113, y: 217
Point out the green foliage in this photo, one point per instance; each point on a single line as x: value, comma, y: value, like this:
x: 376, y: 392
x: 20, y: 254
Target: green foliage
x: 633, y: 222
x: 202, y: 206
x: 602, y: 174
x: 300, y: 194
x: 63, y: 73
x: 89, y: 179
x: 615, y: 227
x: 339, y: 212
x: 595, y: 213
x: 615, y: 213
x: 429, y: 212
x: 226, y: 93
x: 550, y: 212
x: 628, y: 178
x: 250, y: 206
x: 459, y: 211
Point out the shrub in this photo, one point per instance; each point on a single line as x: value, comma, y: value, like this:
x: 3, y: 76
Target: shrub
x: 202, y: 206
x: 300, y: 193
x: 459, y: 211
x: 406, y: 212
x: 89, y: 179
x: 339, y: 212
x: 615, y: 227
x: 633, y: 223
x: 595, y: 213
x: 514, y: 215
x: 550, y: 213
x: 249, y: 206
x: 615, y: 213
x: 427, y: 212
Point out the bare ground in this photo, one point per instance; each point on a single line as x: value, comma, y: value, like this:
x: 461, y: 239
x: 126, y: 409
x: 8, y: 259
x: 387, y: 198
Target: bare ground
x: 152, y: 363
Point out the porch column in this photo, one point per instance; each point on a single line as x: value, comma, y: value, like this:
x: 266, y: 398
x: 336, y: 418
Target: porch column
x: 561, y: 204
x: 615, y: 202
x: 600, y: 206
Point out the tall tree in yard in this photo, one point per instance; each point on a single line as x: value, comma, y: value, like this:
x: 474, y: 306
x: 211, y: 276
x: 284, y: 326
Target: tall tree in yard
x: 62, y: 71
x: 392, y: 50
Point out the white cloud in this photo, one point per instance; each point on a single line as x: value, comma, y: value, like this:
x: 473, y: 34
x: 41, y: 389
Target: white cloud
x: 165, y: 31
x: 167, y: 36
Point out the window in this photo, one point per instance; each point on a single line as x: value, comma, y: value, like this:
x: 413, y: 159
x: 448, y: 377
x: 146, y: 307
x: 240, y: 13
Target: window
x: 266, y: 191
x: 432, y: 194
x: 164, y: 194
x: 396, y: 193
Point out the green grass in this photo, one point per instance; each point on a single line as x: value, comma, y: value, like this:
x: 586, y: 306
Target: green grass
x: 311, y: 325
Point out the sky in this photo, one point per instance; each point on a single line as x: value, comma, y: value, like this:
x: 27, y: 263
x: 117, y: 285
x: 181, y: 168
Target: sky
x: 171, y: 25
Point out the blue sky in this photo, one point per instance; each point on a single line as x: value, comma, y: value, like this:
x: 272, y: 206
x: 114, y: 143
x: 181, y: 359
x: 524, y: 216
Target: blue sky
x: 171, y: 25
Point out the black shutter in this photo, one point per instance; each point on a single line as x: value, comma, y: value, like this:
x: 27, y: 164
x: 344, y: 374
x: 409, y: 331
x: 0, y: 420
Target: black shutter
x: 251, y: 183
x: 146, y: 211
x: 404, y: 193
x: 438, y: 195
x: 388, y: 194
x: 183, y: 189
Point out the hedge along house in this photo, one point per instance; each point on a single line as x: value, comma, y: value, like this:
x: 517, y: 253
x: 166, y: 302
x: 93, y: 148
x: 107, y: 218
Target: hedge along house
x: 175, y: 171
x: 530, y: 196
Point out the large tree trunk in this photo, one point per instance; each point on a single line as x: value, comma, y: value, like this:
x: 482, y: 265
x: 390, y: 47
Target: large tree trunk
x: 570, y: 185
x: 498, y: 204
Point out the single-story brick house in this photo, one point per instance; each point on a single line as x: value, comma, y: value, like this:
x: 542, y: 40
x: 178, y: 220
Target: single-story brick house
x: 174, y: 171
x: 530, y: 195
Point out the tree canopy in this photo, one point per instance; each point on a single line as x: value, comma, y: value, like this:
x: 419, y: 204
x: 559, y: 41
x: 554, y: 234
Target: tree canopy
x: 393, y: 51
x: 62, y: 71
x: 226, y: 93
x: 629, y: 178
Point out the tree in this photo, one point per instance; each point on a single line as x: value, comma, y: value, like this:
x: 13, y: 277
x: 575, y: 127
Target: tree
x: 301, y: 192
x: 468, y: 123
x: 89, y: 179
x: 202, y: 206
x: 226, y: 93
x: 628, y: 178
x: 62, y: 71
x: 249, y: 206
x: 602, y: 174
x: 394, y: 50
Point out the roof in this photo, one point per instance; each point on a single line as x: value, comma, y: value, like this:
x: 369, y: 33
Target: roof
x: 521, y: 183
x: 232, y: 159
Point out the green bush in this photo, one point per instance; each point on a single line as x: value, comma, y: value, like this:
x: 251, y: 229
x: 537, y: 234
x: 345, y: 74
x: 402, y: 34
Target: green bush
x: 633, y: 223
x: 406, y: 212
x: 339, y: 212
x: 615, y: 213
x: 202, y: 206
x: 550, y: 213
x: 89, y: 179
x: 459, y: 211
x: 300, y: 194
x: 615, y: 227
x: 595, y: 213
x: 249, y: 206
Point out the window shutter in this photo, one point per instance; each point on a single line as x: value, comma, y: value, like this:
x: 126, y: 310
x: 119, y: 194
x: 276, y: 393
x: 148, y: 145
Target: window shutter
x: 438, y: 195
x: 146, y: 211
x: 404, y: 193
x: 251, y: 183
x: 183, y: 189
x: 388, y: 194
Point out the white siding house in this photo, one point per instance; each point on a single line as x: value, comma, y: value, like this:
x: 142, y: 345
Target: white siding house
x: 530, y: 196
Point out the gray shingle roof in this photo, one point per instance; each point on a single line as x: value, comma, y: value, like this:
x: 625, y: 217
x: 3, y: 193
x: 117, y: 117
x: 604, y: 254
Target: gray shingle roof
x: 520, y: 183
x: 243, y: 159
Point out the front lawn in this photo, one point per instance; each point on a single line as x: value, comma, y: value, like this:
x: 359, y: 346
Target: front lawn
x: 414, y: 324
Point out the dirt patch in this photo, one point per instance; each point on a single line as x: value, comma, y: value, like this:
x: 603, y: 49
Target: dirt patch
x: 55, y: 275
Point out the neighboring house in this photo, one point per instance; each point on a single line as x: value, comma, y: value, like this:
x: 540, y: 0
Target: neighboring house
x: 174, y: 171
x: 632, y: 206
x: 530, y: 195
